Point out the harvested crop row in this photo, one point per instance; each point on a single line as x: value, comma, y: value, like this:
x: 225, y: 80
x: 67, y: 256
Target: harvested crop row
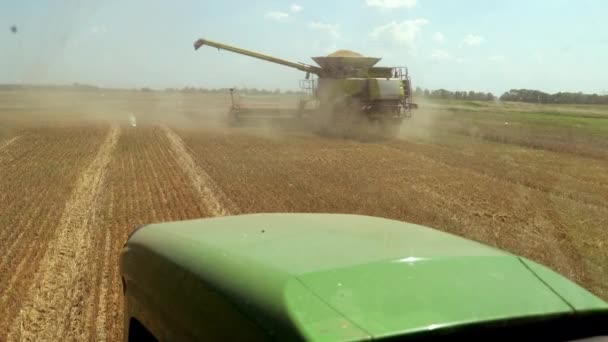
x: 213, y: 197
x: 7, y: 142
x: 38, y: 173
x: 145, y: 184
x: 54, y: 301
x: 579, y: 178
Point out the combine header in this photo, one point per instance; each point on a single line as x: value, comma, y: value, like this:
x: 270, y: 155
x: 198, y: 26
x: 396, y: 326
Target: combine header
x: 254, y: 110
x: 344, y: 88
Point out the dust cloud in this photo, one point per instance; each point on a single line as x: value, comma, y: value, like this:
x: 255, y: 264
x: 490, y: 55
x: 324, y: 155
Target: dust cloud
x: 60, y: 105
x: 422, y: 124
x: 272, y: 116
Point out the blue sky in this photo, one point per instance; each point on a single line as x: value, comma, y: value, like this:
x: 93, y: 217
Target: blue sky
x: 553, y: 45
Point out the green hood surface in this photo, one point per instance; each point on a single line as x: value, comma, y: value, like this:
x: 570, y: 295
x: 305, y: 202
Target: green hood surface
x: 350, y: 277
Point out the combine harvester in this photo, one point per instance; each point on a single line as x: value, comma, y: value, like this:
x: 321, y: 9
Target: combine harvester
x: 348, y: 91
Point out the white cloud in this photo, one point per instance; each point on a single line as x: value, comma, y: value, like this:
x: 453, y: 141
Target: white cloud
x: 330, y: 29
x: 278, y: 16
x: 440, y: 55
x: 404, y: 32
x: 438, y: 37
x: 391, y: 3
x: 295, y: 8
x: 472, y: 40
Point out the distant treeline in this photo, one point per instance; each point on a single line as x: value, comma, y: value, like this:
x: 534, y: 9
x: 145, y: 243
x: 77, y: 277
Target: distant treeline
x: 454, y: 95
x: 75, y: 86
x: 536, y: 96
x: 519, y: 95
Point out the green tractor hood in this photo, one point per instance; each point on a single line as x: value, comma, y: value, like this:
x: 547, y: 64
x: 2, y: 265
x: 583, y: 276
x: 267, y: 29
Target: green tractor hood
x: 341, y: 277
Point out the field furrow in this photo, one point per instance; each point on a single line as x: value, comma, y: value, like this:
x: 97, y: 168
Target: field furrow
x: 145, y: 184
x: 56, y: 293
x: 215, y: 199
x: 567, y: 176
x: 38, y: 174
x: 8, y: 142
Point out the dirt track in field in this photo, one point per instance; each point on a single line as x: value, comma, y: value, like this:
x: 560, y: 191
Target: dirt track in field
x: 6, y: 143
x: 146, y: 184
x: 59, y: 275
x: 57, y: 295
x: 211, y: 195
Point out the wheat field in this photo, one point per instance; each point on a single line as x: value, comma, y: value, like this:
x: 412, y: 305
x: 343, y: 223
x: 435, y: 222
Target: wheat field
x: 79, y: 170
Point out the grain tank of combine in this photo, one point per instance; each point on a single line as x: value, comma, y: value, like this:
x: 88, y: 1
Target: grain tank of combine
x: 348, y: 87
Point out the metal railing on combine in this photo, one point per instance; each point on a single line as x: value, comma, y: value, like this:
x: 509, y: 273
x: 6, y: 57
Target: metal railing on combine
x: 401, y: 72
x: 309, y: 86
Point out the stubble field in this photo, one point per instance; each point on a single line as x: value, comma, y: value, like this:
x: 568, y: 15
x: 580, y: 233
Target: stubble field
x: 76, y: 177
